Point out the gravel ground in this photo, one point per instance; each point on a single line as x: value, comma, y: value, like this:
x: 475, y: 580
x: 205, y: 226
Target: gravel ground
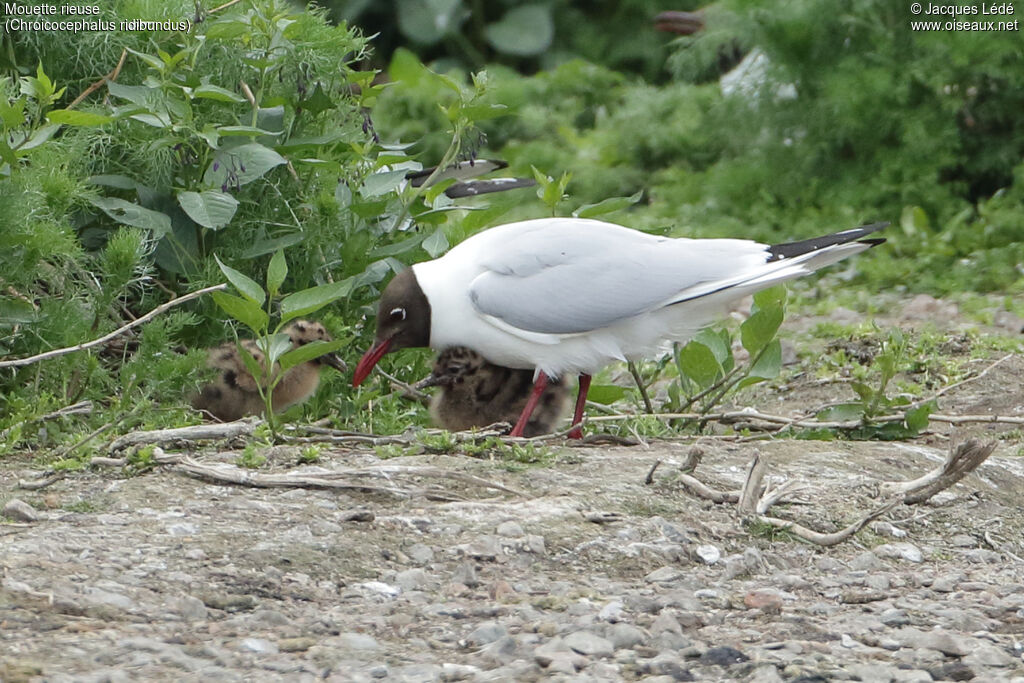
x: 590, y: 575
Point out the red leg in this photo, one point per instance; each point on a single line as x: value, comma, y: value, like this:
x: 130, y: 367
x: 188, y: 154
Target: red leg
x: 581, y: 400
x: 539, y: 385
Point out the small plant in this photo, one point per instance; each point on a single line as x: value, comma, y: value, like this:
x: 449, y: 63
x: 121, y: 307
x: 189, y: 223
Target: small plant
x: 275, y: 347
x: 251, y: 458
x: 707, y: 369
x: 873, y: 401
x: 310, y: 454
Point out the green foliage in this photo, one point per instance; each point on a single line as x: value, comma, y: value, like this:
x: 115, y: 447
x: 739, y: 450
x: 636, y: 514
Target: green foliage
x: 708, y: 371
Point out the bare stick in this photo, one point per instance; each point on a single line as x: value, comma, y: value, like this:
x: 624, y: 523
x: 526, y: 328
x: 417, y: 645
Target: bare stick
x: 112, y: 76
x: 633, y: 370
x: 819, y: 538
x: 36, y: 484
x: 18, y: 362
x: 649, y: 479
x: 702, y: 490
x: 204, y: 432
x: 973, y: 378
x: 406, y: 388
x: 773, y: 495
x: 752, y: 485
x: 224, y: 6
x: 962, y: 459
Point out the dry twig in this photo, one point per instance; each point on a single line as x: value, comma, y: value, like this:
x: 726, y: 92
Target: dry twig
x: 203, y: 432
x: 962, y: 459
x: 18, y: 362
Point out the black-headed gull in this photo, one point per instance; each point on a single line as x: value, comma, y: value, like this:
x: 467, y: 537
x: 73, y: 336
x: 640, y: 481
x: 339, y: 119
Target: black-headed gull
x: 476, y: 393
x: 571, y: 295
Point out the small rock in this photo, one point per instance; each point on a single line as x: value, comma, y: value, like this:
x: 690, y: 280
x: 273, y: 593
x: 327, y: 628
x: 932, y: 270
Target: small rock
x: 894, y: 617
x: 982, y: 556
x: 191, y: 608
x: 903, y: 551
x: 951, y: 671
x: 411, y: 579
x: 666, y: 622
x: 380, y: 588
x: 664, y: 575
x: 300, y: 644
x: 20, y: 511
x: 458, y: 672
x: 485, y: 633
x: 465, y: 574
x: 947, y: 643
x: 359, y: 642
x: 723, y: 656
x: 767, y: 600
x: 708, y: 554
x: 766, y: 673
x: 259, y: 646
x: 989, y: 655
x: 867, y: 560
x: 590, y: 644
x: 611, y: 612
x: 510, y: 529
x: 625, y: 636
x: 183, y: 529
x: 501, y: 590
x: 669, y: 665
x: 963, y: 541
x: 420, y: 553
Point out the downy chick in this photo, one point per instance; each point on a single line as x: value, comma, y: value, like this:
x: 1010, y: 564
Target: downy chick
x: 477, y: 393
x: 234, y: 394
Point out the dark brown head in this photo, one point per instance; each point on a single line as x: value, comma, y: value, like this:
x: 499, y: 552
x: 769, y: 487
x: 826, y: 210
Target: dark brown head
x: 403, y: 321
x: 305, y: 331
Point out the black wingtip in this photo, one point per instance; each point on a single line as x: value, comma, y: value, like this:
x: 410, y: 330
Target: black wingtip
x: 791, y: 249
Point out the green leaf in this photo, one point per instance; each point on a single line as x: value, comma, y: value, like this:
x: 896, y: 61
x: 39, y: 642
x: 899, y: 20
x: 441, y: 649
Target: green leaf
x: 720, y: 343
x: 246, y: 286
x: 317, y: 102
x: 863, y: 391
x: 136, y: 94
x: 770, y: 298
x: 397, y: 248
x: 215, y: 92
x: 121, y: 182
x: 14, y: 311
x: 269, y: 246
x: 308, y: 352
x: 767, y: 366
x: 277, y: 271
x: 151, y: 60
x: 436, y: 244
x: 274, y: 346
x: 70, y: 117
x: 245, y: 312
x: 313, y: 299
x: 700, y: 364
x: 381, y: 183
x: 428, y: 21
x: 523, y: 31
x: 134, y: 215
x: 243, y: 164
x: 40, y: 136
x: 606, y: 394
x: 210, y: 208
x: 607, y: 206
x: 759, y: 329
x: 917, y: 418
x: 844, y: 412
x: 229, y: 131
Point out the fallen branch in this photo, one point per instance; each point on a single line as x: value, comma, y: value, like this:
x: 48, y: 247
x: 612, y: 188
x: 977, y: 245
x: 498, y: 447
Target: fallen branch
x: 112, y: 76
x: 752, y: 485
x: 203, y: 432
x: 347, y: 479
x: 18, y: 362
x: 962, y: 459
x: 819, y: 538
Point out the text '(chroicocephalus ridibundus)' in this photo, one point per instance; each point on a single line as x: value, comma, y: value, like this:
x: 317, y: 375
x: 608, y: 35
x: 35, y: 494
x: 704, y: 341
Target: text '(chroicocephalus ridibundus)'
x: 571, y: 295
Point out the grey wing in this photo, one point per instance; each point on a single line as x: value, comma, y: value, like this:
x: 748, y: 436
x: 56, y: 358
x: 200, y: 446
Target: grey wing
x: 567, y: 284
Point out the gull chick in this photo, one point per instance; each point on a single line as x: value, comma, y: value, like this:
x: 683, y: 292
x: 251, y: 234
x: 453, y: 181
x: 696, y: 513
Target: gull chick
x: 476, y: 393
x: 234, y: 394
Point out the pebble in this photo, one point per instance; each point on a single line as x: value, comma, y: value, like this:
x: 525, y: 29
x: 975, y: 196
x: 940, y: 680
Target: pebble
x: 664, y: 575
x: 510, y: 529
x: 611, y: 612
x: 723, y: 656
x: 485, y: 633
x: 708, y: 554
x: 590, y: 644
x: 625, y: 636
x: 768, y: 600
x: 20, y: 511
x: 259, y: 646
x: 902, y: 551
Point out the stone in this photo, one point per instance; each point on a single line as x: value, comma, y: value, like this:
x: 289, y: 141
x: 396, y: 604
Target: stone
x: 611, y: 612
x: 767, y: 600
x: 624, y: 636
x: 723, y: 656
x: 708, y: 554
x: 901, y: 551
x: 989, y: 655
x: 485, y: 633
x: 510, y: 529
x: 664, y: 575
x: 258, y: 645
x: 411, y: 579
x: 590, y: 644
x: 20, y: 511
x: 360, y: 642
x: 191, y: 608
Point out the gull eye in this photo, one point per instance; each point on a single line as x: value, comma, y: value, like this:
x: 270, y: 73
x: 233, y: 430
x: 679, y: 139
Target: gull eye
x: 397, y: 313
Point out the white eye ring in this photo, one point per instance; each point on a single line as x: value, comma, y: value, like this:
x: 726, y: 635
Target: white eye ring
x: 398, y: 311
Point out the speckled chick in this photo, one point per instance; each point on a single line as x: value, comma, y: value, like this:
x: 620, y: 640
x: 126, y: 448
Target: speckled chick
x: 234, y: 393
x: 476, y: 393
